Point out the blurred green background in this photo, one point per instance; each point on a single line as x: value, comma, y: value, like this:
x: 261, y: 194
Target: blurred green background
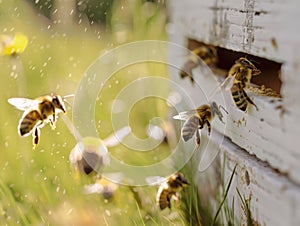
x: 65, y: 37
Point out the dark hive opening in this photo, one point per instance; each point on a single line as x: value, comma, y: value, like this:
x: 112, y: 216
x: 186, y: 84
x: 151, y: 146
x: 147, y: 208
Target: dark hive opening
x: 270, y: 70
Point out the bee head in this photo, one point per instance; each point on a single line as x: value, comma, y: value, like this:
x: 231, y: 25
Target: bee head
x: 246, y: 63
x: 180, y: 179
x: 58, y: 103
x: 208, y: 54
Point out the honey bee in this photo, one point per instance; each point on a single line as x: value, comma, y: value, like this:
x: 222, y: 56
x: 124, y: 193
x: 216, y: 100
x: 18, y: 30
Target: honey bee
x: 90, y: 154
x: 170, y: 189
x: 37, y: 113
x: 242, y: 70
x: 102, y: 186
x: 196, y: 119
x: 207, y: 54
x: 89, y: 159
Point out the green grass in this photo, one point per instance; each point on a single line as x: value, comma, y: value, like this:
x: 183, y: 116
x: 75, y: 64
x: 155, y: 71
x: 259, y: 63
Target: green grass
x: 245, y: 203
x: 201, y: 208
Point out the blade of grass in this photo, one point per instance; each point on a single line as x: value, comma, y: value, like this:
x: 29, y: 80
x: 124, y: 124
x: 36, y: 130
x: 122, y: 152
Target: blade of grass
x: 225, y: 196
x: 246, y: 207
x: 223, y: 172
x: 232, y: 208
x: 151, y: 218
x: 8, y: 193
x: 170, y: 222
x: 181, y: 218
x: 140, y: 214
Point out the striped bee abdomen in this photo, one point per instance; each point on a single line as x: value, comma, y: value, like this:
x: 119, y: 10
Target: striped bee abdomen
x: 239, y: 97
x: 164, y: 199
x: 28, y: 122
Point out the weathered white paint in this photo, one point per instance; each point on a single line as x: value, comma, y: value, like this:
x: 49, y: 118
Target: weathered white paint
x: 268, y: 29
x: 249, y: 26
x: 275, y: 200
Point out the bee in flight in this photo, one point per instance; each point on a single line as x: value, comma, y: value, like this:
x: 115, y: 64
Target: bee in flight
x: 242, y: 71
x: 207, y: 54
x: 196, y: 119
x: 37, y: 113
x: 89, y: 159
x: 170, y: 189
x: 102, y: 186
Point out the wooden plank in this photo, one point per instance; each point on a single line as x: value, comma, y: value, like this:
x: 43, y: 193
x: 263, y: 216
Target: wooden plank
x: 274, y: 199
x: 270, y: 133
x: 268, y: 190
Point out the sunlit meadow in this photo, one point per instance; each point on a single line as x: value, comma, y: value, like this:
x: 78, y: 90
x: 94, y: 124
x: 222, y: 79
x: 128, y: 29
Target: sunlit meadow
x: 39, y: 187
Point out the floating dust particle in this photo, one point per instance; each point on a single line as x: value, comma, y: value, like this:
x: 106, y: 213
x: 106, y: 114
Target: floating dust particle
x: 264, y: 91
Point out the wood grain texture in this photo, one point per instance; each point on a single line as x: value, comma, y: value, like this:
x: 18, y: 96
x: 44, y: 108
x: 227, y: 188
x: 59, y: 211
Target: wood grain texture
x: 263, y: 28
x: 251, y: 27
x: 274, y: 200
x: 265, y: 143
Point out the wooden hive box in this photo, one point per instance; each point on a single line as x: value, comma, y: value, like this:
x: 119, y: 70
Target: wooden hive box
x: 265, y: 143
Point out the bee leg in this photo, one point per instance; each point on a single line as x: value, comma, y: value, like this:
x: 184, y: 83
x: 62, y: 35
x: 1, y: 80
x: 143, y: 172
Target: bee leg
x: 200, y: 124
x: 208, y: 127
x: 249, y: 100
x: 192, y: 79
x: 36, y: 135
x: 176, y: 197
x: 197, y: 138
x: 54, y: 118
x: 169, y: 201
x: 52, y: 122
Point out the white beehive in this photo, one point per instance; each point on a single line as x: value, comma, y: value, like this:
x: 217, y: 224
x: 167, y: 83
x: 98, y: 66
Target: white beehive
x: 266, y: 31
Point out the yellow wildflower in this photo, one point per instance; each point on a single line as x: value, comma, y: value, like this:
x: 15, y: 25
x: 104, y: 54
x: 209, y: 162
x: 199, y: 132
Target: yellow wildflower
x: 13, y: 45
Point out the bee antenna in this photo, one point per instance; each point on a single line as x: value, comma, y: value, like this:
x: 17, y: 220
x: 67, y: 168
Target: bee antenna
x: 220, y: 106
x: 254, y: 61
x: 68, y: 96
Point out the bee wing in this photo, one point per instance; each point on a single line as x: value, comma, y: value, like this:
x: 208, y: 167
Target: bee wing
x: 185, y: 115
x: 117, y: 137
x: 224, y: 86
x: 189, y: 127
x: 155, y: 180
x: 93, y: 188
x: 68, y: 96
x: 22, y: 104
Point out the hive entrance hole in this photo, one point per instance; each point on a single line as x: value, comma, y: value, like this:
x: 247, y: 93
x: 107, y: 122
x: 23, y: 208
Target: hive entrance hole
x: 270, y: 70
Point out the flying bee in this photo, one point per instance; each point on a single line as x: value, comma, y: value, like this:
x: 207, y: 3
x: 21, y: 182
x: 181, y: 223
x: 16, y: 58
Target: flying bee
x: 170, y: 189
x: 196, y: 119
x: 207, y: 54
x: 90, y: 154
x: 102, y: 186
x: 88, y: 158
x: 37, y: 113
x: 243, y: 70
